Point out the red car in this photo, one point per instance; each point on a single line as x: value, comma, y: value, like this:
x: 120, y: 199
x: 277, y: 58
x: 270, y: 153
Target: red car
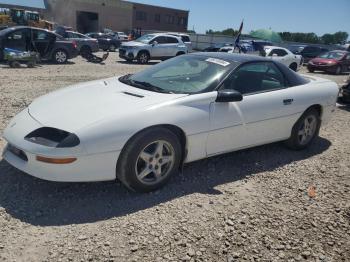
x: 336, y: 62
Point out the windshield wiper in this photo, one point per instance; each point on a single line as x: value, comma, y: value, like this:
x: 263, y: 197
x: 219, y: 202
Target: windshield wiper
x: 149, y: 86
x: 142, y: 84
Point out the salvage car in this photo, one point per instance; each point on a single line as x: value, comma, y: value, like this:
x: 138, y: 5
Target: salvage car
x: 152, y: 46
x: 49, y: 45
x: 284, y: 56
x: 142, y: 128
x: 336, y: 62
x: 107, y: 42
x: 86, y: 45
x: 309, y: 52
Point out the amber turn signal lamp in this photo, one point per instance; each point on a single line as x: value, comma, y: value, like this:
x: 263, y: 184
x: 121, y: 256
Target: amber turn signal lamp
x: 56, y: 160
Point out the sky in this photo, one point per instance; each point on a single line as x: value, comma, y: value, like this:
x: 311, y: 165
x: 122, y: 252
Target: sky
x: 318, y: 16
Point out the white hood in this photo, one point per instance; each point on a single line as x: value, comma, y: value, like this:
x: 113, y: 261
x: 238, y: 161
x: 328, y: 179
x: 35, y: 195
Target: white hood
x: 75, y: 107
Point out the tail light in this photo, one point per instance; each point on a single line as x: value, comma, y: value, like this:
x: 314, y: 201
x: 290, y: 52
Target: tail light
x: 75, y: 45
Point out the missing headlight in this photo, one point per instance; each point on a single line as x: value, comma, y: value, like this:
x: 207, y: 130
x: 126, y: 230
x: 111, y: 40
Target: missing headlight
x: 53, y: 137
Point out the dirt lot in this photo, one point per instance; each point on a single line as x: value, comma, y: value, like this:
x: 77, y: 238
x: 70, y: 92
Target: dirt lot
x: 251, y: 205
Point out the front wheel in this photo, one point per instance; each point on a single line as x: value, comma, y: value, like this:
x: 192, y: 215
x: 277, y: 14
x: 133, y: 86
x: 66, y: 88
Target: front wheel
x: 60, y: 56
x: 143, y: 57
x: 149, y: 160
x: 305, y: 130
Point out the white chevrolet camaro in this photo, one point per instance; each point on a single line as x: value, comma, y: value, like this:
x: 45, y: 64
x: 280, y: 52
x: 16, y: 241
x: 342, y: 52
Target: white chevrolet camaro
x: 141, y: 128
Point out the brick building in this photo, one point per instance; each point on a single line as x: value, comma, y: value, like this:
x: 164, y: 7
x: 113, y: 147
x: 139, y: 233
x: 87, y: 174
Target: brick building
x: 95, y: 15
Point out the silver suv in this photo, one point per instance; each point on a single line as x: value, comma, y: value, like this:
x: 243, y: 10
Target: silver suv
x: 152, y: 46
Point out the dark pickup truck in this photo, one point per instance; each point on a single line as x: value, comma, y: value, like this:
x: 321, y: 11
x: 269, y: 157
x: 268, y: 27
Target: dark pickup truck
x: 49, y: 45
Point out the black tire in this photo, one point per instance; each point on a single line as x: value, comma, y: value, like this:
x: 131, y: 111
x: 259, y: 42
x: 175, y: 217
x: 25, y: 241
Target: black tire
x: 112, y: 48
x: 311, y: 70
x: 15, y: 64
x: 85, y: 51
x: 293, y: 66
x: 338, y: 70
x: 60, y: 56
x: 143, y: 57
x: 180, y: 53
x: 31, y: 64
x: 130, y: 160
x: 294, y: 142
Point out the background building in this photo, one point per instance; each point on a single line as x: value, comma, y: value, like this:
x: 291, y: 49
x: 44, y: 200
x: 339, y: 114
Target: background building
x: 96, y: 15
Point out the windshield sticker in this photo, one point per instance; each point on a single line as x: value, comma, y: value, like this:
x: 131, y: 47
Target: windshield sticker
x: 217, y: 61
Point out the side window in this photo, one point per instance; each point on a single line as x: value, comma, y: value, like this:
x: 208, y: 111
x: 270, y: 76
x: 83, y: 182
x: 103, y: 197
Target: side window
x: 19, y: 40
x: 185, y: 38
x: 41, y: 35
x: 278, y: 52
x: 255, y: 78
x: 159, y: 40
x: 171, y: 40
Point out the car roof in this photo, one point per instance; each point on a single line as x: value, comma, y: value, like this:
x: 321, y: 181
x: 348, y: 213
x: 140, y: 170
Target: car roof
x: 240, y: 58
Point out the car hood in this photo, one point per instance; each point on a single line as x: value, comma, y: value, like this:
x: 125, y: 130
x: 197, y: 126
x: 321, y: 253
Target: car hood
x: 133, y: 43
x: 75, y: 107
x: 324, y: 60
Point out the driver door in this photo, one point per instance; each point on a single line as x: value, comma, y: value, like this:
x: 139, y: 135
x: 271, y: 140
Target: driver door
x: 266, y: 113
x: 159, y: 47
x: 42, y: 41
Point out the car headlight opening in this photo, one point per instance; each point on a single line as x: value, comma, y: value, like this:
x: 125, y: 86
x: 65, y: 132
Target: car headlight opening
x: 53, y: 137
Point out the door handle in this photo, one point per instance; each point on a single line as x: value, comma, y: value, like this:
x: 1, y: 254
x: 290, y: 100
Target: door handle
x: 288, y: 101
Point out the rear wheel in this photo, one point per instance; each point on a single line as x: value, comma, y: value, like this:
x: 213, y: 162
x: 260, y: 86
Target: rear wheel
x: 15, y: 64
x: 85, y: 51
x: 180, y: 53
x: 143, y: 57
x: 149, y: 160
x: 305, y: 130
x: 293, y: 66
x: 60, y: 56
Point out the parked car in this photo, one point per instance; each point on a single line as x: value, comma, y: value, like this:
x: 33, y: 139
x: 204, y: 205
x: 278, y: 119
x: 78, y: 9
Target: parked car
x: 345, y: 91
x: 86, y: 44
x: 309, y: 52
x: 142, y: 128
x: 216, y: 47
x: 296, y: 49
x: 106, y: 42
x: 49, y: 45
x: 336, y: 62
x: 152, y: 46
x: 284, y: 56
x: 121, y: 36
x: 185, y: 38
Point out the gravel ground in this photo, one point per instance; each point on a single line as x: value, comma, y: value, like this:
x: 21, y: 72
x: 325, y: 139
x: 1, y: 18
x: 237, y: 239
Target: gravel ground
x: 251, y: 205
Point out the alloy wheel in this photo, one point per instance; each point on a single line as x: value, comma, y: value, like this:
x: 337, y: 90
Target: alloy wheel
x: 155, y: 162
x: 61, y: 57
x: 307, y: 129
x: 144, y: 58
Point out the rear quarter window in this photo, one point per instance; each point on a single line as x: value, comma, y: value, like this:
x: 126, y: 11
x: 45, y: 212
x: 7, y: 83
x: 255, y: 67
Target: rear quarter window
x: 185, y: 38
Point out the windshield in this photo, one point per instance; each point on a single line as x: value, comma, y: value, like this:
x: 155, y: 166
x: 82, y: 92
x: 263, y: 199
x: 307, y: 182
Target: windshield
x: 332, y: 55
x: 186, y: 74
x: 145, y: 38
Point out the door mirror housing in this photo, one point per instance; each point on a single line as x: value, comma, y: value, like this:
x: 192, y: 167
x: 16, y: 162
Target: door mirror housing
x: 228, y: 95
x: 274, y: 55
x: 154, y: 43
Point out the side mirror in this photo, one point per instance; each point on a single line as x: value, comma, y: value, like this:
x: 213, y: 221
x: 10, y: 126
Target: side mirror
x: 229, y: 95
x: 274, y: 55
x: 154, y: 43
